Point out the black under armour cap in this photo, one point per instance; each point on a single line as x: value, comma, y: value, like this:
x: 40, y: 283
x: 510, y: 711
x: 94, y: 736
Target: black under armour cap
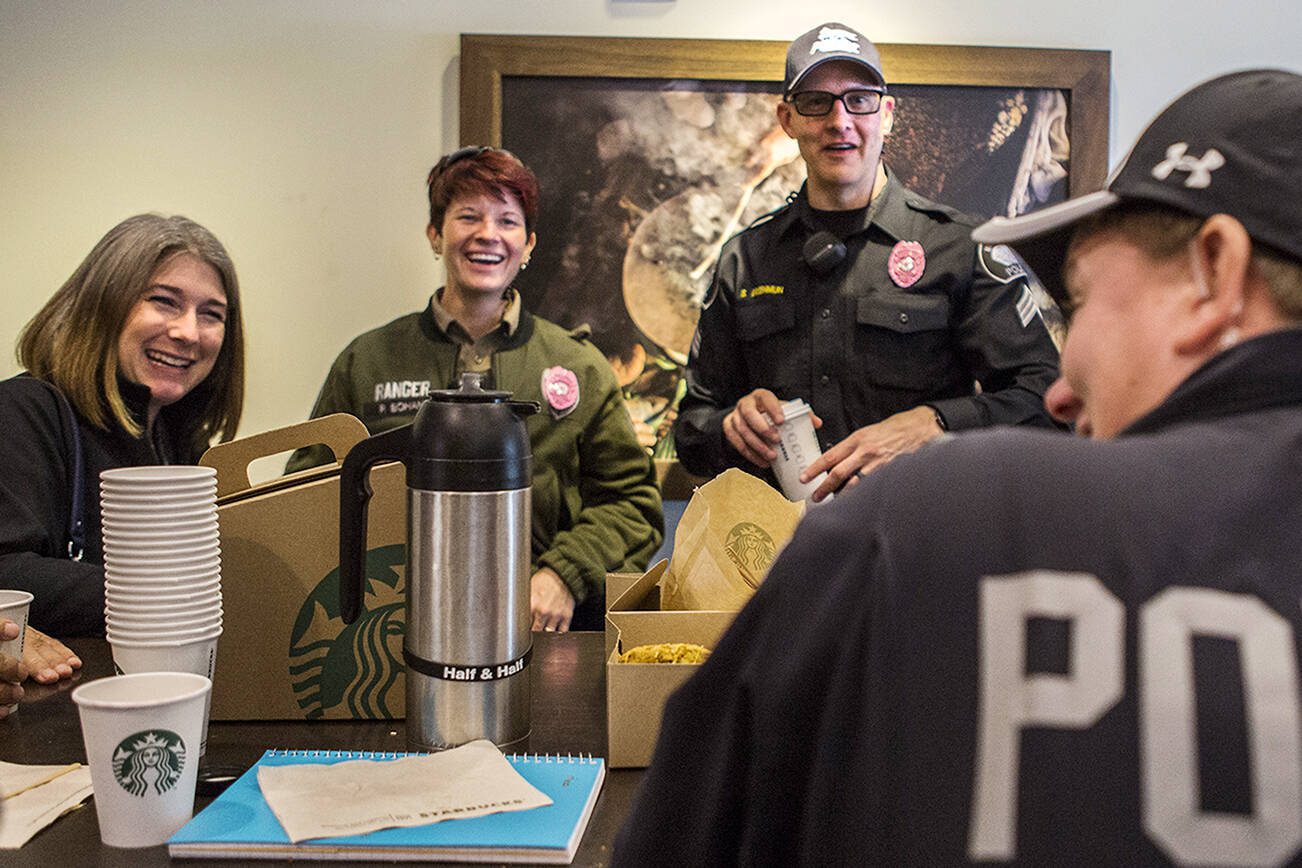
x: 1232, y: 145
x: 825, y: 43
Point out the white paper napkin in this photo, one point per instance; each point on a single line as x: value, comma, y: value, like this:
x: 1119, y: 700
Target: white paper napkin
x: 16, y: 777
x: 358, y: 796
x: 38, y: 804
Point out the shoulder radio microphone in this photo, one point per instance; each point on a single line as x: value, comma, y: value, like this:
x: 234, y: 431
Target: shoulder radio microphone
x: 823, y: 252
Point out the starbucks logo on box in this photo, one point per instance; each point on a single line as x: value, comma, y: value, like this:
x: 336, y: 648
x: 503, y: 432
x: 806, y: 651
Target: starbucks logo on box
x: 353, y: 670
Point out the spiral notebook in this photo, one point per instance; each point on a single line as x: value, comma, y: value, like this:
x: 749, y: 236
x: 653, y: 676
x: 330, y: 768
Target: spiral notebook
x: 240, y: 825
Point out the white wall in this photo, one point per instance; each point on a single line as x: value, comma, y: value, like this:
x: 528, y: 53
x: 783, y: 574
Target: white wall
x: 300, y: 132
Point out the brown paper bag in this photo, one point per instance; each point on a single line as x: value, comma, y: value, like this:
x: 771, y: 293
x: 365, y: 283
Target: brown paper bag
x: 732, y: 530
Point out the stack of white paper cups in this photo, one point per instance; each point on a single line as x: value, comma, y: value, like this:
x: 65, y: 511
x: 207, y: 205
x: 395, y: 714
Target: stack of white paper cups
x: 162, y: 568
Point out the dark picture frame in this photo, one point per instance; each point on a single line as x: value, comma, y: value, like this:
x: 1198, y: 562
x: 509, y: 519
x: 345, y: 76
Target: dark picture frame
x: 534, y: 76
x: 1085, y: 75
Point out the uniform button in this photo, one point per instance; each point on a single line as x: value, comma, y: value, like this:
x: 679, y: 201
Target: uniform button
x: 825, y: 379
x: 904, y: 317
x: 826, y: 313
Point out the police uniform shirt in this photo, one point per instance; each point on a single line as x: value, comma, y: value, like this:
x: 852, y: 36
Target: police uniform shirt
x: 914, y: 314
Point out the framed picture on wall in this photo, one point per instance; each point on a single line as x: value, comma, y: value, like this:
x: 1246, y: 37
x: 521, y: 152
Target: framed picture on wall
x: 652, y: 152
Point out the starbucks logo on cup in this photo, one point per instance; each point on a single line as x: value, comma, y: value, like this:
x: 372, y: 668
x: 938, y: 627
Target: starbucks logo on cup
x: 149, y: 760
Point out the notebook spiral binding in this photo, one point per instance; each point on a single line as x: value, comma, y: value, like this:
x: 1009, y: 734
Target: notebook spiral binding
x: 541, y: 758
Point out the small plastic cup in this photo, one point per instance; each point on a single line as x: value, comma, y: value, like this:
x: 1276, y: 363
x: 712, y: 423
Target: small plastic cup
x: 128, y: 595
x: 197, y: 655
x: 159, y: 475
x: 162, y: 634
x: 169, y: 622
x: 209, y: 566
x: 157, y: 527
x: 170, y: 549
x: 143, y: 734
x: 201, y: 604
x: 145, y: 499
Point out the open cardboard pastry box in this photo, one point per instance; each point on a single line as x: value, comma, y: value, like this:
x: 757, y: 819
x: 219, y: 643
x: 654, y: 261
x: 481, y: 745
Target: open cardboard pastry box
x: 636, y: 692
x: 284, y: 652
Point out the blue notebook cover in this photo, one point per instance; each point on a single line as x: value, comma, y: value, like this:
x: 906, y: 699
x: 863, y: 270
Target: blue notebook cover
x: 240, y: 824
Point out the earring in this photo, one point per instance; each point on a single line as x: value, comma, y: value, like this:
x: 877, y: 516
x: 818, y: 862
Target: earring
x: 524, y: 265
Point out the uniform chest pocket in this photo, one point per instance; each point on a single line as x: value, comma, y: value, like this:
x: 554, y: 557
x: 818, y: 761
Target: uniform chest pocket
x: 903, y: 313
x: 902, y: 340
x: 759, y: 319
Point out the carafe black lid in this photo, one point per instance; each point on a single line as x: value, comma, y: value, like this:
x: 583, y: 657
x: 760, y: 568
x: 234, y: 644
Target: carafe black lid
x: 470, y: 390
x: 470, y: 439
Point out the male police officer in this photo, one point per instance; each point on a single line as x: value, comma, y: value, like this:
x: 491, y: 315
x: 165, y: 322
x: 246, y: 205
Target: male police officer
x: 1023, y: 647
x: 861, y: 297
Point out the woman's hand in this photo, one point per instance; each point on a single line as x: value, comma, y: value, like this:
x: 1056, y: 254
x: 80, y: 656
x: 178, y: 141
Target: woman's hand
x: 550, y: 601
x: 12, y: 670
x: 47, y: 659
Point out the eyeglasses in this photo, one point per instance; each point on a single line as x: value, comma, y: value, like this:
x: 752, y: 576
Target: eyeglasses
x: 448, y: 160
x: 458, y: 155
x: 816, y: 103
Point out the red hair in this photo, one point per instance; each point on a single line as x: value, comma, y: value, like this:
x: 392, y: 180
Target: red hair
x: 481, y: 171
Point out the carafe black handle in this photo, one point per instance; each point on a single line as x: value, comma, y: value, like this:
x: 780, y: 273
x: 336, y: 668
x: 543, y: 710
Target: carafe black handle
x: 354, y: 498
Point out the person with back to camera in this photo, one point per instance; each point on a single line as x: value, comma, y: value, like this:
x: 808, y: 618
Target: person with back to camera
x: 862, y: 298
x: 1097, y: 661
x: 138, y: 359
x: 596, y: 507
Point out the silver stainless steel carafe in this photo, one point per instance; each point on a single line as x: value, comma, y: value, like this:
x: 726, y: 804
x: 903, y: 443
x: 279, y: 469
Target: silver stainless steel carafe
x: 468, y: 641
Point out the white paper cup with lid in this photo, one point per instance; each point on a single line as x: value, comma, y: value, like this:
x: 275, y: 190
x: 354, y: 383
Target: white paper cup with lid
x: 797, y: 449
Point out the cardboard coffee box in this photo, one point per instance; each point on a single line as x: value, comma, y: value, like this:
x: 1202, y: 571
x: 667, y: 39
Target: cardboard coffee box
x: 636, y: 692
x: 284, y: 652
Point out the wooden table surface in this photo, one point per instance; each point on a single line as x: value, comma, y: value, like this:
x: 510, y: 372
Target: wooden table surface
x: 569, y: 716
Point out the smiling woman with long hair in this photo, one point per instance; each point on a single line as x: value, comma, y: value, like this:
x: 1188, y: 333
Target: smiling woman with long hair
x: 137, y: 359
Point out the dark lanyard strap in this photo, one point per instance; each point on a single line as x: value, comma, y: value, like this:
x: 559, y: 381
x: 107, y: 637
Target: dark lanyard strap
x: 76, y: 517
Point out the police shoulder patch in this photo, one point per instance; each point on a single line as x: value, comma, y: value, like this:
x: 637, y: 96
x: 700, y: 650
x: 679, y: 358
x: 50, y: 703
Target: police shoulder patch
x: 1001, y: 263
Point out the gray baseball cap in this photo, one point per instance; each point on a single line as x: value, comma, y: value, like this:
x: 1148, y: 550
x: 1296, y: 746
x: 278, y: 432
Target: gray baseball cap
x: 825, y: 43
x: 1232, y: 145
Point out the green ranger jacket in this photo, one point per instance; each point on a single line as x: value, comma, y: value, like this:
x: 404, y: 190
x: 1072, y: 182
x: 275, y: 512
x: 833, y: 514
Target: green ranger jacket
x: 596, y: 507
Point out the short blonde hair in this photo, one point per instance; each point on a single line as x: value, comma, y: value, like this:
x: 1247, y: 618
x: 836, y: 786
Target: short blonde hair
x: 72, y: 341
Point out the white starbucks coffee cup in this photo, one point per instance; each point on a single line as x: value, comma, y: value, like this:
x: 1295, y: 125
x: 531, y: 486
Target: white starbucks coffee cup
x: 142, y: 735
x: 14, y: 606
x: 797, y: 449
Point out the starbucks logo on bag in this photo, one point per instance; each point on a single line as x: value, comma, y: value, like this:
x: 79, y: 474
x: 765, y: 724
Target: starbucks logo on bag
x: 352, y: 670
x: 149, y: 760
x: 750, y: 547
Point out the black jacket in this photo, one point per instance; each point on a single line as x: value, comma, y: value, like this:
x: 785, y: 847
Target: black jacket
x: 1019, y: 646
x: 36, y: 499
x: 856, y: 344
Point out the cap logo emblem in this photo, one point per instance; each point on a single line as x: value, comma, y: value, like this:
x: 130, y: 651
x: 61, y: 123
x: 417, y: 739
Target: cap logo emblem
x: 833, y: 39
x: 1200, y: 170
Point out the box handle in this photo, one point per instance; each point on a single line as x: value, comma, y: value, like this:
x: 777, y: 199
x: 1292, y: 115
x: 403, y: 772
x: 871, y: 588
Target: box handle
x: 339, y: 432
